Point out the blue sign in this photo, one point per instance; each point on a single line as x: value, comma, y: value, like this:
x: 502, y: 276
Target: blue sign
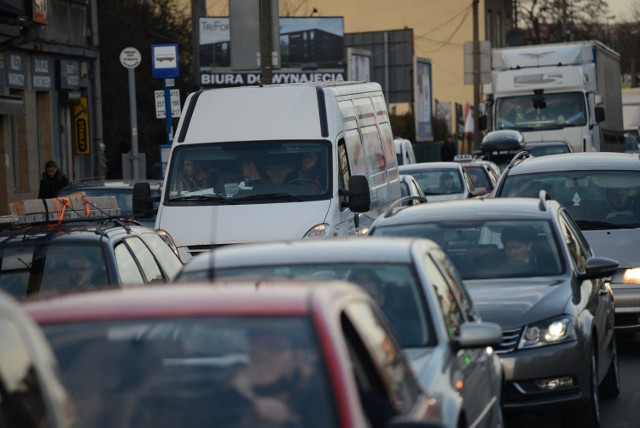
x: 164, y: 61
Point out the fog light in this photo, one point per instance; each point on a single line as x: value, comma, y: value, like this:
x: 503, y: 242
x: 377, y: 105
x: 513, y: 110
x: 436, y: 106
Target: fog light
x: 555, y: 383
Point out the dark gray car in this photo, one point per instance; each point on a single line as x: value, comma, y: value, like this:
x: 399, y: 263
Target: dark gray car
x: 602, y: 193
x: 555, y: 309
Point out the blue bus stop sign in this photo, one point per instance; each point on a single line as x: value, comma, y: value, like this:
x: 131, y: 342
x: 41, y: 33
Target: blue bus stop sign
x: 164, y: 61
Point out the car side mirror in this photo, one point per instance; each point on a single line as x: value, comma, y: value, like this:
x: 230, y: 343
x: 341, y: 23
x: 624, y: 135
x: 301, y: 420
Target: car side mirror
x: 479, y: 191
x: 599, y: 267
x: 142, y: 201
x: 479, y: 335
x: 599, y: 112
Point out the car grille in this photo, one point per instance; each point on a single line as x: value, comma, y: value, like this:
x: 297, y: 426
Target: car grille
x: 510, y: 339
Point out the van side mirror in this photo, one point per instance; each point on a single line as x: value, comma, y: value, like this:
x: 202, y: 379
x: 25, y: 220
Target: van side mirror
x: 600, y: 116
x: 359, y: 196
x: 142, y: 202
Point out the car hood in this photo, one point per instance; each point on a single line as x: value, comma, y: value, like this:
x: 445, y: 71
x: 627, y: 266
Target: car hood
x: 421, y: 360
x: 617, y: 244
x: 515, y: 302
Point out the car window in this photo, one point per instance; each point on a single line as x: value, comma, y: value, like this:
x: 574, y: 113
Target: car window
x: 168, y: 260
x: 478, y: 251
x: 147, y: 262
x: 194, y: 372
x: 126, y: 265
x: 454, y: 280
x: 575, y: 243
x: 29, y: 269
x: 374, y: 347
x: 395, y: 288
x: 449, y: 305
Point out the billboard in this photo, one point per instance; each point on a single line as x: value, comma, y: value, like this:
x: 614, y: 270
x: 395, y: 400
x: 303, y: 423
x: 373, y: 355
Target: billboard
x: 311, y: 49
x: 423, y: 100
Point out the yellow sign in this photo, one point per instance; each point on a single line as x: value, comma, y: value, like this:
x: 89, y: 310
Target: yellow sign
x: 81, y: 136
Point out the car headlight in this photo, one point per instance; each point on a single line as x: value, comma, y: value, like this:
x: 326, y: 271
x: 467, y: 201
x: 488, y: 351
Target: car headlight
x: 548, y: 332
x: 169, y: 240
x: 319, y: 231
x: 631, y: 276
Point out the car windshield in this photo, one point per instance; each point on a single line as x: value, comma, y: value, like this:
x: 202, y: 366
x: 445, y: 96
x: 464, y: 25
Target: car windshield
x: 558, y: 111
x: 437, y: 181
x: 203, y: 372
x: 43, y: 268
x: 394, y: 287
x: 595, y: 199
x: 478, y: 176
x: 484, y: 249
x: 249, y: 172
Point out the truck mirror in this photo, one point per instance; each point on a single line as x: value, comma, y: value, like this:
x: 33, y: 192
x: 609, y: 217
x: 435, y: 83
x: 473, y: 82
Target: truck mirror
x: 600, y: 116
x: 142, y: 201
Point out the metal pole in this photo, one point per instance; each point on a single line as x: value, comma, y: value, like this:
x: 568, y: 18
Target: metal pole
x: 168, y: 110
x: 198, y: 10
x: 265, y: 42
x: 97, y: 95
x: 134, y: 123
x: 476, y: 77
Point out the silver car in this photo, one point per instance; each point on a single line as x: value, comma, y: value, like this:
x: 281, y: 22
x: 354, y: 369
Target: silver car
x: 442, y: 181
x: 420, y: 293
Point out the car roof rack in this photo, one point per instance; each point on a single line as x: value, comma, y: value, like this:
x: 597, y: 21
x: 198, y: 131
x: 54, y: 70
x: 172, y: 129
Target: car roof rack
x: 61, y: 209
x: 393, y: 208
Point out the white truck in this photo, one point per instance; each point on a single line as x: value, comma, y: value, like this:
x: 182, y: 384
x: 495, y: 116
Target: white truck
x: 631, y: 110
x: 564, y: 91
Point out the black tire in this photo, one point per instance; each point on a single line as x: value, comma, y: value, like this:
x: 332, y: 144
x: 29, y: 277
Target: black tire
x: 610, y: 386
x: 587, y: 416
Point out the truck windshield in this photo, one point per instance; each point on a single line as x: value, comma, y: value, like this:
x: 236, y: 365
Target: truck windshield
x: 249, y: 172
x: 556, y: 111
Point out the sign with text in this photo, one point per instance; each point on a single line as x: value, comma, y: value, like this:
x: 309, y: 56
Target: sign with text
x: 165, y: 61
x: 161, y: 111
x: 311, y: 50
x: 81, y: 142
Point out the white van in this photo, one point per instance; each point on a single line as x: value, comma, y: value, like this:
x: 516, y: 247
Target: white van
x: 404, y: 151
x: 276, y: 129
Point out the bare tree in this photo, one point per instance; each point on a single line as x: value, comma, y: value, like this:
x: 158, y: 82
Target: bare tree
x: 548, y: 21
x: 139, y: 24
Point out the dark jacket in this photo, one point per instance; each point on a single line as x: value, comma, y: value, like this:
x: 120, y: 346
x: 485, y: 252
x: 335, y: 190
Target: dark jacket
x: 50, y: 187
x: 448, y: 151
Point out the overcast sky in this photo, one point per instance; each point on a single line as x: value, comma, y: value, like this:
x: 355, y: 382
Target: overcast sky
x: 621, y: 9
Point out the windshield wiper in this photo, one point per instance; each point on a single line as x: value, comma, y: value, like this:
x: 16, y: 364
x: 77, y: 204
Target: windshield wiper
x: 209, y: 197
x: 594, y: 225
x: 269, y: 197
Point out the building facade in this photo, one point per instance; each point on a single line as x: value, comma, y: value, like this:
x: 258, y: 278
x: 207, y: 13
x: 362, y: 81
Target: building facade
x: 48, y: 72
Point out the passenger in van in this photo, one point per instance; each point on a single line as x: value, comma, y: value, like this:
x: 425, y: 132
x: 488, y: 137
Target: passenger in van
x: 309, y: 172
x: 195, y: 176
x: 253, y: 172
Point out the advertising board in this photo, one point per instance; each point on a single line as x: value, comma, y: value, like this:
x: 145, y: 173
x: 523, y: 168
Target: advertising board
x: 311, y: 49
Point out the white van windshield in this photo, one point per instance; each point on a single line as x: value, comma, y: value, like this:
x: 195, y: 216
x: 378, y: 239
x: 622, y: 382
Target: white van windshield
x: 250, y: 172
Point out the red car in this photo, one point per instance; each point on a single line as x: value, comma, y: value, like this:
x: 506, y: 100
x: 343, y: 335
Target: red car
x: 273, y: 354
